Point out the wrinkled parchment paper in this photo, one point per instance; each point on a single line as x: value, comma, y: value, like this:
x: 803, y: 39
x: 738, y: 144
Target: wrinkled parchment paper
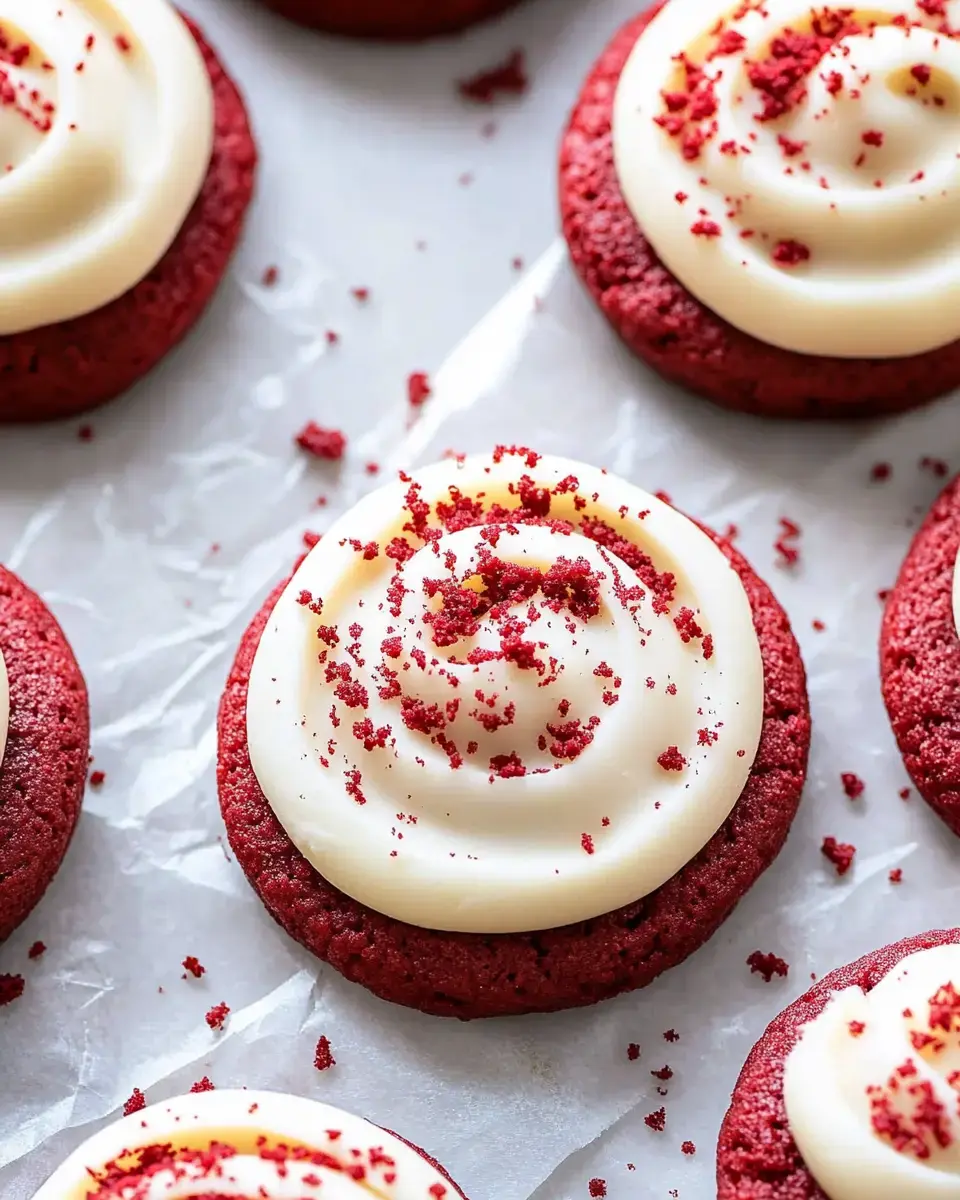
x: 155, y: 542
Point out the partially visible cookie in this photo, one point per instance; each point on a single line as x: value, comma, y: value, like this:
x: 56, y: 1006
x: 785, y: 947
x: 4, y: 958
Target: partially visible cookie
x: 221, y: 1142
x: 44, y: 763
x: 659, y: 318
x: 399, y: 20
x: 920, y: 658
x: 758, y: 1157
x: 69, y: 366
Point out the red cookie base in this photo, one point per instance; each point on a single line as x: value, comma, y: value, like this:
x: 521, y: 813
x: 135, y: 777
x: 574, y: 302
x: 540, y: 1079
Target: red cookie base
x: 61, y: 370
x: 672, y: 331
x: 394, y: 20
x: 44, y: 766
x: 475, y: 975
x: 757, y: 1158
x: 920, y: 659
x: 432, y: 1161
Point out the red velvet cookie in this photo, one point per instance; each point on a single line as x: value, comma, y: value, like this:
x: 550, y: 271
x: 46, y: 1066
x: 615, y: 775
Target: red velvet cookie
x: 45, y: 761
x: 473, y: 975
x: 68, y: 368
x: 397, y: 20
x: 757, y: 1158
x: 670, y: 329
x: 920, y: 659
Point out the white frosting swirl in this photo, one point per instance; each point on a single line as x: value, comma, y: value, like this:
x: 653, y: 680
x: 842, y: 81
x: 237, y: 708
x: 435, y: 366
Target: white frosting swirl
x: 576, y: 737
x: 106, y: 130
x: 796, y: 167
x: 249, y: 1145
x: 872, y: 1088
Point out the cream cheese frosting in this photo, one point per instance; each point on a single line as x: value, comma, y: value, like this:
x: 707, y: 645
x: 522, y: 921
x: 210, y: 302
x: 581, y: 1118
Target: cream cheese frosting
x: 796, y: 168
x: 872, y: 1088
x: 248, y: 1145
x: 506, y: 694
x: 106, y: 131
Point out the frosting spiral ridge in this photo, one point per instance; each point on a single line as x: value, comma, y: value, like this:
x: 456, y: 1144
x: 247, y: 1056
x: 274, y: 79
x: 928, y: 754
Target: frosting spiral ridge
x: 506, y: 694
x: 106, y: 131
x: 795, y: 167
x: 872, y: 1088
x: 247, y: 1145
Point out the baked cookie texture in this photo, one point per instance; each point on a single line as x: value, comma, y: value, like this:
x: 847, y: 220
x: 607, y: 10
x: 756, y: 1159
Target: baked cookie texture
x: 920, y: 659
x: 400, y: 20
x: 65, y: 369
x: 44, y: 766
x: 757, y: 1158
x: 667, y: 327
x: 473, y: 975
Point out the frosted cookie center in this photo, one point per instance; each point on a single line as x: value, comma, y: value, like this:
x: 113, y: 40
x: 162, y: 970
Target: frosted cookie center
x: 872, y: 1088
x: 795, y: 167
x: 106, y: 130
x: 506, y: 695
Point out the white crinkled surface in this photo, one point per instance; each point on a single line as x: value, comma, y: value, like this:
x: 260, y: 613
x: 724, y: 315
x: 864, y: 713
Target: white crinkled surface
x: 362, y: 151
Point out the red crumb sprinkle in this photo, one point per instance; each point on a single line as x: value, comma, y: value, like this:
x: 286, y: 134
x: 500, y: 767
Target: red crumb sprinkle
x: 872, y: 137
x: 853, y: 785
x: 586, y: 841
x: 202, y: 1085
x: 11, y: 988
x: 360, y: 294
x: 790, y: 253
x: 856, y: 1028
x: 217, y: 1016
x: 671, y: 1036
x: 597, y: 1188
x: 936, y: 466
x: 418, y: 388
x: 767, y: 965
x: 904, y: 793
x: 97, y: 778
x: 372, y: 468
x: 785, y: 545
x: 323, y: 1059
x: 656, y: 1121
x: 839, y: 853
x: 663, y: 1074
x: 880, y: 471
x: 194, y: 966
x: 896, y: 875
x: 508, y: 78
x: 122, y: 43
x: 921, y: 73
x: 633, y: 1051
x: 705, y: 228
x: 671, y: 759
x: 136, y: 1103
x: 321, y: 443
x: 688, y: 1148
x: 270, y: 276
x: 85, y: 433
x: 818, y: 625
x: 36, y: 950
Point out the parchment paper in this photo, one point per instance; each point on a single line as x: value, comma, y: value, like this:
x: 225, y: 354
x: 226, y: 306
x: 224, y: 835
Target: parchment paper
x: 156, y: 541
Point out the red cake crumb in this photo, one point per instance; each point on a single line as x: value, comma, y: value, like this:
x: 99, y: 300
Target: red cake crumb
x: 508, y: 78
x: 896, y: 875
x: 194, y: 966
x: 270, y: 276
x: 853, y: 785
x: 671, y: 1036
x: 36, y: 950
x: 360, y: 294
x: 321, y: 443
x: 839, y: 853
x: 597, y: 1188
x: 85, y: 433
x: 818, y: 625
x: 418, y: 388
x: 97, y: 778
x: 785, y: 545
x: 202, y: 1085
x: 217, y: 1016
x: 688, y: 1148
x: 323, y: 1059
x: 767, y: 965
x: 136, y: 1103
x: 656, y: 1121
x: 880, y: 471
x: 663, y: 1074
x: 671, y: 759
x: 936, y: 466
x: 11, y: 988
x: 633, y: 1051
x: 904, y: 793
x: 790, y: 253
x: 372, y: 468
